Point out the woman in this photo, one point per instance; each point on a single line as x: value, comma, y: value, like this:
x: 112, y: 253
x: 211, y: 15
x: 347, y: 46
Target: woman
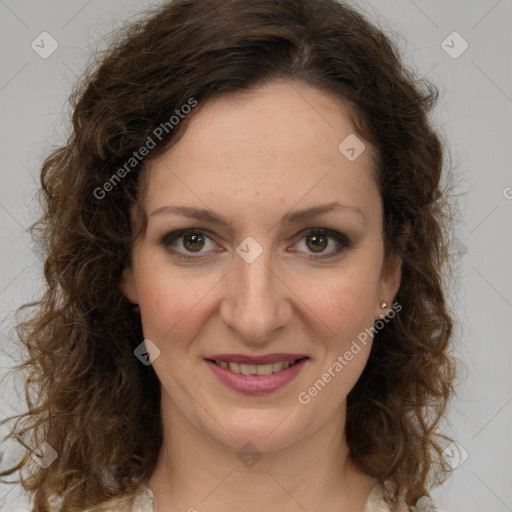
x: 245, y: 239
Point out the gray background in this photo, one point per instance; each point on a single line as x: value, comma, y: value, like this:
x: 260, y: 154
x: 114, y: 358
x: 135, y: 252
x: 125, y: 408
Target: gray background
x: 474, y: 113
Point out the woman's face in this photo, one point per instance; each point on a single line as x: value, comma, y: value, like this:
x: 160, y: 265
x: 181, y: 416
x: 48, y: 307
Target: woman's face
x: 259, y: 282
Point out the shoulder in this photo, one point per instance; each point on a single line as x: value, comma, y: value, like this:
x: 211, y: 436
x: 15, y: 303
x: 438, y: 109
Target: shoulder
x: 377, y: 503
x: 140, y: 501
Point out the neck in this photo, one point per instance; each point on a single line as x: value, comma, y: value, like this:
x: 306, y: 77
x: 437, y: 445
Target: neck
x: 314, y: 473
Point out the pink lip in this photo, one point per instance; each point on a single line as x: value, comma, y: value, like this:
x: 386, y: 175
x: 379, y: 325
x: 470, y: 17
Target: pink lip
x: 256, y: 384
x: 246, y: 359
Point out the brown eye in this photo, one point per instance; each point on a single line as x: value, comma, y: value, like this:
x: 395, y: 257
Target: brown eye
x: 193, y: 242
x: 318, y: 240
x: 317, y: 243
x: 185, y: 242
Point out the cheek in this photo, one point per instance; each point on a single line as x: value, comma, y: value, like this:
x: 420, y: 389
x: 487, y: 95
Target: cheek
x: 336, y: 304
x: 341, y: 303
x: 176, y: 303
x: 343, y: 318
x: 167, y: 302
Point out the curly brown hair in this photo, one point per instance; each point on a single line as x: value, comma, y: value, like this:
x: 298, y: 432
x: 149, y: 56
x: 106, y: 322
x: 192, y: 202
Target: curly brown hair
x: 87, y: 395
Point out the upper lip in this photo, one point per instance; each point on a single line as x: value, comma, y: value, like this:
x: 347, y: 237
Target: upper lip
x: 264, y: 359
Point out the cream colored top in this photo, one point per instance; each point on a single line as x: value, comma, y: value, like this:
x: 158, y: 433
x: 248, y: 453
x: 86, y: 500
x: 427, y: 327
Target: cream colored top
x: 143, y: 502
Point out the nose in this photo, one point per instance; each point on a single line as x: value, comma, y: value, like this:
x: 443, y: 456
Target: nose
x: 256, y: 299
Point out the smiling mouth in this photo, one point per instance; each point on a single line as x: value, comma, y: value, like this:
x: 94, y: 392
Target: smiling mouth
x: 257, y: 369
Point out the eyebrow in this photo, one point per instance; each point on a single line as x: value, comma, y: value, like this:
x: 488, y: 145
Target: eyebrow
x: 293, y: 217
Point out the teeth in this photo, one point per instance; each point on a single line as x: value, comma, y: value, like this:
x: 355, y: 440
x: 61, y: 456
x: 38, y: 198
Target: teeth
x: 248, y: 369
x: 264, y: 369
x: 256, y: 369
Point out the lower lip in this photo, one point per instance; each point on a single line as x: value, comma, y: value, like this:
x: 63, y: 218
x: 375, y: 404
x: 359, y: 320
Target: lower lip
x: 256, y: 384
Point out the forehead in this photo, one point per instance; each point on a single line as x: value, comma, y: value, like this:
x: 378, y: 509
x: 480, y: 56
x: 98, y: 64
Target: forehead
x: 277, y: 143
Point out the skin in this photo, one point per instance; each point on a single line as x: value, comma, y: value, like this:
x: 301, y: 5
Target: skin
x: 251, y: 158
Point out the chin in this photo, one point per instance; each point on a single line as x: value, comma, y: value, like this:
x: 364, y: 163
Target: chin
x: 268, y: 431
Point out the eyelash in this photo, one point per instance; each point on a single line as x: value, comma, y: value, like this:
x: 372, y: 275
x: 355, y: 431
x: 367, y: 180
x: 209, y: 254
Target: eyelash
x: 341, y: 239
